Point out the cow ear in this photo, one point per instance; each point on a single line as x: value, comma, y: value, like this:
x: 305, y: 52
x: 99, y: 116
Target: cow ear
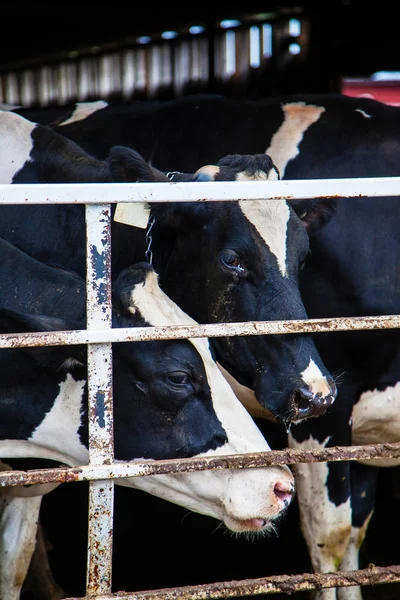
x: 55, y: 357
x: 127, y: 165
x: 124, y: 285
x: 315, y: 213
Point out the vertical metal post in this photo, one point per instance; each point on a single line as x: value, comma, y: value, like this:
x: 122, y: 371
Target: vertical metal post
x: 101, y: 438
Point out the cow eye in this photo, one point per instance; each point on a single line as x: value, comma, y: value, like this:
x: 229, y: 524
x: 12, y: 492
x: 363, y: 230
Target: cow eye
x: 231, y: 259
x: 178, y: 378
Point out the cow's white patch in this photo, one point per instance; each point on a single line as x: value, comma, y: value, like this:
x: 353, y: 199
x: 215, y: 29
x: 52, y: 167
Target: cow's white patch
x: 376, y: 420
x: 326, y: 527
x: 363, y: 113
x: 84, y: 110
x: 16, y: 144
x: 59, y: 428
x: 270, y: 218
x: 315, y: 380
x: 284, y: 145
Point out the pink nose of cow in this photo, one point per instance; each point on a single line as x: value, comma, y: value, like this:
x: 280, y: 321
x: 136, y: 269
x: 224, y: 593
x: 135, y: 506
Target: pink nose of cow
x: 284, y: 492
x: 309, y: 404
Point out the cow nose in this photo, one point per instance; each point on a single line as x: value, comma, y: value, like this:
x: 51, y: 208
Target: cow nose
x: 310, y: 404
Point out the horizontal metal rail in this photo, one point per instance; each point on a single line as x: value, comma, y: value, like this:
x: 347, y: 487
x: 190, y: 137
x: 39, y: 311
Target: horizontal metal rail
x: 213, y: 191
x: 119, y: 470
x: 286, y: 584
x: 169, y: 332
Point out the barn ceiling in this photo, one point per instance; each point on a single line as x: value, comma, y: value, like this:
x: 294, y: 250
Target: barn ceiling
x: 356, y: 39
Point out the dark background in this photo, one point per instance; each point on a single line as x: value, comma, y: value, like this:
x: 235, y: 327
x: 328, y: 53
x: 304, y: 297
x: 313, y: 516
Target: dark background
x: 351, y: 37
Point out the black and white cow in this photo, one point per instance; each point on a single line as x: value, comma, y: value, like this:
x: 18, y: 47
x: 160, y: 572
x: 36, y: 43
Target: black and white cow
x: 221, y: 262
x: 352, y: 268
x: 170, y: 401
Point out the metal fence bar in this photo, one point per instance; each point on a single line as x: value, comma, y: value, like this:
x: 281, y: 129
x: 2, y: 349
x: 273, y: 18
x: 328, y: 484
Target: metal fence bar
x: 215, y: 191
x: 169, y: 332
x: 100, y: 415
x: 286, y: 584
x: 119, y: 470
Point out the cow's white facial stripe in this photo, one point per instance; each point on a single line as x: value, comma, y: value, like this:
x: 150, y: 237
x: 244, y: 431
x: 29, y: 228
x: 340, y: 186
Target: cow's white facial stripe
x: 298, y: 117
x: 60, y: 426
x: 269, y: 217
x: 84, y: 110
x: 16, y: 144
x: 376, y: 420
x: 315, y: 380
x: 326, y: 527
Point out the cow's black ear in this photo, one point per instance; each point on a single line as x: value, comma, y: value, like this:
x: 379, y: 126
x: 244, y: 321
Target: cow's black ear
x: 315, y: 213
x: 124, y: 285
x: 127, y: 166
x: 54, y: 357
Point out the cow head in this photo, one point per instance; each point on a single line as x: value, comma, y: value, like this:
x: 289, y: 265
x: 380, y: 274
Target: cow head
x: 170, y: 401
x: 240, y: 261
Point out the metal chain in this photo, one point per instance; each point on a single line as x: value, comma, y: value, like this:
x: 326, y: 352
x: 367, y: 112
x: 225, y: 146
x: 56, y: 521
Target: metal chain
x: 149, y: 239
x: 171, y: 174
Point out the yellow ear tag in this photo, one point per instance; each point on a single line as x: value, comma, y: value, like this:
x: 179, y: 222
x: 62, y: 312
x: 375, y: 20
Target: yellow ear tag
x: 135, y: 214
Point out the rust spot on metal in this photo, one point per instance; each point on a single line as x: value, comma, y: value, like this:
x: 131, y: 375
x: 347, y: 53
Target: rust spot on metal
x: 62, y: 475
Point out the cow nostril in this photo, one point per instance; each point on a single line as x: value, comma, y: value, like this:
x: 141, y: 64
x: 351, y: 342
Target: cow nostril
x: 304, y: 402
x: 284, y: 492
x: 312, y: 405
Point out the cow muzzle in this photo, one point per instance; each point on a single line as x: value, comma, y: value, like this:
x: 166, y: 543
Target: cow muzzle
x: 309, y: 403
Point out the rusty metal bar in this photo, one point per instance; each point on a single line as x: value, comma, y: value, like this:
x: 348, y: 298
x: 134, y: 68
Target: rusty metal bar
x: 286, y: 584
x: 289, y: 456
x: 167, y: 332
x: 101, y: 436
x: 212, y: 191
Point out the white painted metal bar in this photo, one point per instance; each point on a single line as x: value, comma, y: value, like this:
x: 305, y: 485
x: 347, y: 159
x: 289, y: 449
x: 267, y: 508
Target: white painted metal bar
x: 142, y: 334
x: 109, y: 193
x: 100, y: 405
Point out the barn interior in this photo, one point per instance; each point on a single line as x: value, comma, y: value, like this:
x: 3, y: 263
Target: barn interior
x: 341, y: 46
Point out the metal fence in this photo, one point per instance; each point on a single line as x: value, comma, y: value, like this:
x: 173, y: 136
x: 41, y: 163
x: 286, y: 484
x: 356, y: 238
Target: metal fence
x: 101, y: 472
